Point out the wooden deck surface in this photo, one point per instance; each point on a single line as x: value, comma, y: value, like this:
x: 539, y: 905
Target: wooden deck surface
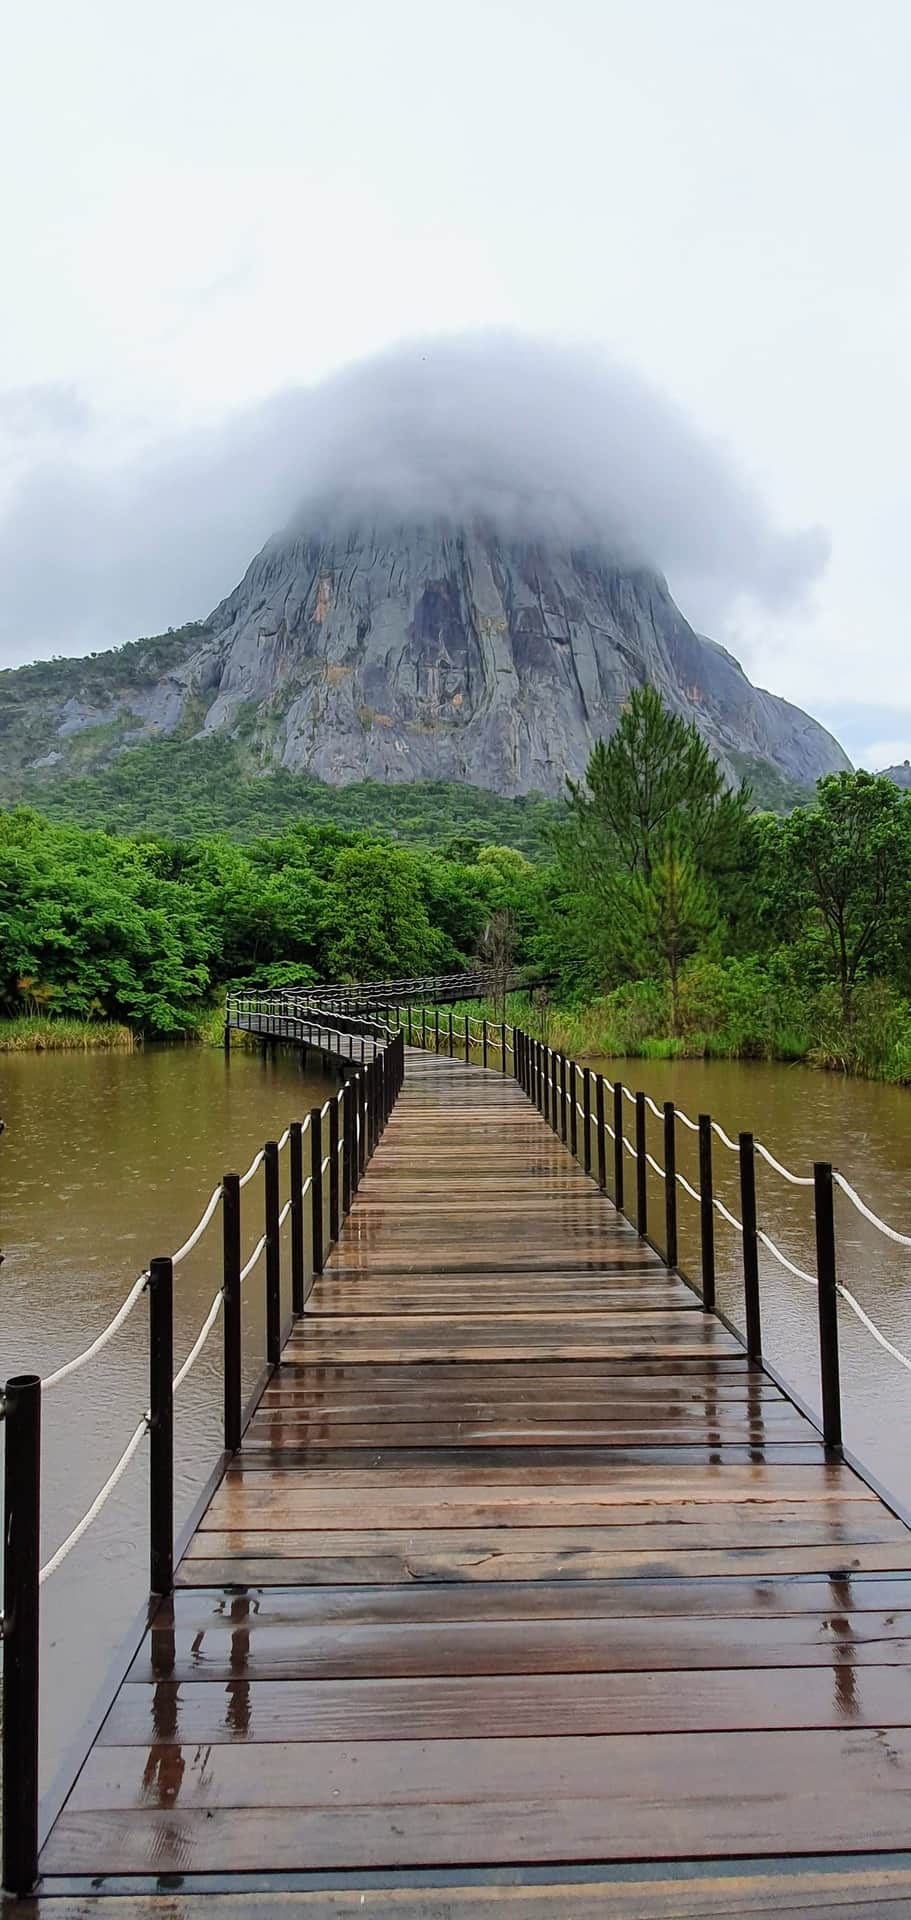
x: 527, y: 1593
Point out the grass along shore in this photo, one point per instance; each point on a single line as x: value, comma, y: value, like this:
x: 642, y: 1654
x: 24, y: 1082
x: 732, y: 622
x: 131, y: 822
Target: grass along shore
x: 733, y: 1010
x: 37, y: 1033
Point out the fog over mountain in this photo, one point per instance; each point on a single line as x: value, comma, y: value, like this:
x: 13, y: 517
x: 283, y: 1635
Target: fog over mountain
x: 539, y: 439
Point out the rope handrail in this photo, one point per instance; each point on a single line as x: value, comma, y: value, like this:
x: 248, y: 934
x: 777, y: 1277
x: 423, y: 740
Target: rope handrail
x: 256, y: 1162
x: 796, y: 1179
x: 901, y: 1239
x: 255, y: 1255
x: 117, y: 1472
x: 82, y: 1526
x: 80, y: 1360
x: 199, y: 1342
x: 199, y: 1228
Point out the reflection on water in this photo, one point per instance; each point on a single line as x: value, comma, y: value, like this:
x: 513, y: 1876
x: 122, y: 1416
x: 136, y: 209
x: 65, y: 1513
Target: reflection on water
x: 107, y: 1160
x: 801, y: 1116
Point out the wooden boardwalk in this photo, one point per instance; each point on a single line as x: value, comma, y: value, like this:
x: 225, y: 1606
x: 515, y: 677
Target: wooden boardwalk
x: 527, y: 1593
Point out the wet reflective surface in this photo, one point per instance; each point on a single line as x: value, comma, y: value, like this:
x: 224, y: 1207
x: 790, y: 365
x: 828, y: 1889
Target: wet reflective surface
x: 801, y: 1116
x: 107, y: 1160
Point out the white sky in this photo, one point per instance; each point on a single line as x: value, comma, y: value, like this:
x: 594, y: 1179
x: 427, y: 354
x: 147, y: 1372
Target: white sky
x: 203, y: 203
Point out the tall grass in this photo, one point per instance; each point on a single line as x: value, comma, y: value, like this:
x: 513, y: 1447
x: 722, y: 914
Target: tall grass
x: 35, y: 1033
x: 736, y: 1009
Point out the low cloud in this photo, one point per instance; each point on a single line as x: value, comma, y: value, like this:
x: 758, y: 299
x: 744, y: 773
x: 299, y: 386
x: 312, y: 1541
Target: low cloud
x: 540, y: 438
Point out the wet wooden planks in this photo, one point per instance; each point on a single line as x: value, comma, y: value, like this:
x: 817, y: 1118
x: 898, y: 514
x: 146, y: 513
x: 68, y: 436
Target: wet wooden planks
x: 522, y: 1563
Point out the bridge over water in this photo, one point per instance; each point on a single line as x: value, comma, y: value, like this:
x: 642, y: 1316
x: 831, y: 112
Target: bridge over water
x: 524, y: 1585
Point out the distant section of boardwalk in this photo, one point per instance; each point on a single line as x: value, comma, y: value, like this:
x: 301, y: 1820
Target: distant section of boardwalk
x: 527, y: 1593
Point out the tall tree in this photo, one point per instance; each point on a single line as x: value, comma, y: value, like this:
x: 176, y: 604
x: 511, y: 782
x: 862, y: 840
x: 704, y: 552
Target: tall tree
x: 848, y: 859
x: 666, y: 919
x: 655, y: 782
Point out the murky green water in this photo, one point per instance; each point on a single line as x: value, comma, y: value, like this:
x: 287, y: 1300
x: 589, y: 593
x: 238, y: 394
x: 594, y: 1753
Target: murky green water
x: 107, y: 1160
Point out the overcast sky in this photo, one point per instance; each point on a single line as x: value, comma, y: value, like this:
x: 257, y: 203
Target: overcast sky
x: 208, y: 205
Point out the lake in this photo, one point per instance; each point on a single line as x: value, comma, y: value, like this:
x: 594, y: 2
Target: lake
x: 108, y: 1159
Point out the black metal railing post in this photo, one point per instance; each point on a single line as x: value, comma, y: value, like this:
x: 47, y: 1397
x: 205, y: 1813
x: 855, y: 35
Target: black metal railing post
x: 316, y: 1188
x: 233, y: 1351
x: 587, y: 1119
x: 161, y: 1425
x: 706, y: 1212
x: 467, y: 1041
x: 824, y: 1207
x: 410, y: 1042
x: 750, y: 1246
x: 641, y: 1167
x: 347, y: 1154
x: 574, y: 1109
x: 484, y: 1043
x: 563, y: 1111
x: 363, y: 1109
x: 503, y: 1045
x: 273, y: 1254
x: 670, y: 1184
x: 296, y: 1176
x: 618, y: 1145
x: 334, y: 1217
x: 436, y: 1029
x: 600, y: 1131
x: 450, y: 1033
x: 21, y: 1539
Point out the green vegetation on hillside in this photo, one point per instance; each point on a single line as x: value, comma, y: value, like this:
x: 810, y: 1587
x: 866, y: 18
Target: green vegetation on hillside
x: 186, y: 788
x: 665, y: 914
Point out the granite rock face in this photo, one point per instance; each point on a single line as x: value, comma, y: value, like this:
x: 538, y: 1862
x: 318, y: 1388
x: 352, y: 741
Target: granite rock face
x: 414, y: 652
x: 428, y: 652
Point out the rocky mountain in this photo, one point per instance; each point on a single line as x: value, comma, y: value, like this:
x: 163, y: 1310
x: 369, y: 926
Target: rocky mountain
x: 410, y: 652
x: 900, y: 776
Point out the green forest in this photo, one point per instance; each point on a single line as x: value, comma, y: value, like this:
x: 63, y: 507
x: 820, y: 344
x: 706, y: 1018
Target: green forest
x: 657, y: 910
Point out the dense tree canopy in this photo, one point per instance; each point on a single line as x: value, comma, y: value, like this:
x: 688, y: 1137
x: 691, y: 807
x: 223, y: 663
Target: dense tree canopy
x: 665, y: 902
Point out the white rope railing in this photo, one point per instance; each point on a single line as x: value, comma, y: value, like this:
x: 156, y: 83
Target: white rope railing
x: 82, y: 1526
x: 199, y: 1228
x: 255, y: 1255
x: 901, y: 1239
x: 256, y: 1162
x: 880, y: 1338
x: 199, y: 1342
x: 783, y: 1261
x: 796, y: 1179
x: 81, y: 1359
x: 555, y: 1089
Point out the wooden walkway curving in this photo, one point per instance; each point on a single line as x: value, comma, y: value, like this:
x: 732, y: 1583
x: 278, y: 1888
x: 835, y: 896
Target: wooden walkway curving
x: 527, y: 1593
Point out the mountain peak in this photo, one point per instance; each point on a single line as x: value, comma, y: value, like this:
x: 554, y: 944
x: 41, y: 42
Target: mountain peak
x: 400, y: 650
x: 395, y: 648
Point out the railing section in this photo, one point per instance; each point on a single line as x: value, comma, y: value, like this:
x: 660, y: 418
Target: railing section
x: 343, y: 1135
